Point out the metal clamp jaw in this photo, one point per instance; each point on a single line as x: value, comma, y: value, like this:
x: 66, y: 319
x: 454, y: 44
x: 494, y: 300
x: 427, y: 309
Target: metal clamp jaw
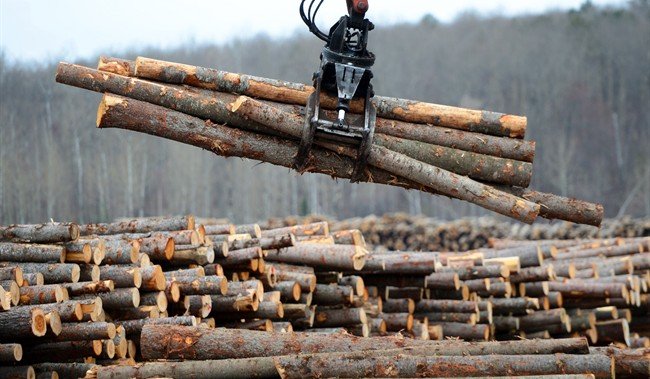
x: 342, y: 129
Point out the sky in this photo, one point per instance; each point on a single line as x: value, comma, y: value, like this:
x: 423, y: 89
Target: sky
x: 43, y: 31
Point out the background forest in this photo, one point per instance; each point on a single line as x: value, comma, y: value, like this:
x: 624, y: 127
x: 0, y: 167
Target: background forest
x: 581, y: 77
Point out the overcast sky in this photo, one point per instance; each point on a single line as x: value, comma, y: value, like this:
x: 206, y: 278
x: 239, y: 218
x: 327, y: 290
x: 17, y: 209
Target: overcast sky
x: 48, y: 30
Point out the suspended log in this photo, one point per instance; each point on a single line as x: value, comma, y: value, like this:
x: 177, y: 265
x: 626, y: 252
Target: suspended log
x: 40, y: 233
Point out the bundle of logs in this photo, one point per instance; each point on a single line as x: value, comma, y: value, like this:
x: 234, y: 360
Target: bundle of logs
x: 401, y: 231
x: 179, y: 297
x: 475, y: 156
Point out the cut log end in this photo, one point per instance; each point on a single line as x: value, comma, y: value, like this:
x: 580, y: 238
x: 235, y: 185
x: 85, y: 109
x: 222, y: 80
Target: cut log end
x: 108, y: 101
x: 39, y: 324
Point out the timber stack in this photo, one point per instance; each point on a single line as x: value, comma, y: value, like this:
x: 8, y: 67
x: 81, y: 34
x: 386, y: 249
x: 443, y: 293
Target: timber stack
x: 173, y: 297
x: 400, y: 231
x: 476, y: 156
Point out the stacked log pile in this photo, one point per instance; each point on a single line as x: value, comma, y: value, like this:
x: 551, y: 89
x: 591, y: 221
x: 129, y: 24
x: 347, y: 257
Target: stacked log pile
x: 302, y: 301
x: 475, y: 156
x: 419, y: 233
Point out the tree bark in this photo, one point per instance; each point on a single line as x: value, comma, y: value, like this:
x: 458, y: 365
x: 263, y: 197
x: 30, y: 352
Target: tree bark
x: 292, y: 93
x: 39, y: 233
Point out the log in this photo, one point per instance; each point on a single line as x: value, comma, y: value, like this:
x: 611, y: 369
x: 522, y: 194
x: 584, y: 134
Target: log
x: 436, y: 178
x: 198, y: 305
x: 158, y: 247
x: 51, y: 232
x: 396, y: 322
x: 22, y: 322
x: 17, y: 372
x: 407, y: 263
x: 133, y: 328
x: 158, y: 299
x: 82, y: 251
x: 116, y: 65
x: 33, y: 279
x: 62, y: 351
x: 265, y: 310
x: 374, y: 364
x: 293, y: 93
x: 119, y: 298
x: 465, y: 318
x: 86, y: 331
x: 52, y: 293
x: 12, y: 273
x: 88, y: 288
x: 307, y: 230
x: 52, y: 273
x: 398, y: 306
x: 11, y: 353
x: 349, y: 237
x: 153, y: 278
x: 226, y: 368
x: 468, y: 332
x: 27, y: 253
x: 122, y: 276
x: 266, y: 243
x: 65, y: 370
x: 68, y: 311
x: 208, y: 285
x: 165, y: 343
x: 634, y: 363
x: 290, y: 291
x: 613, y: 331
x: 533, y: 274
x: 458, y: 306
x: 340, y: 317
x: 518, y: 305
x: 333, y: 294
x: 479, y: 272
x: 118, y: 251
x: 139, y: 225
x: 343, y: 257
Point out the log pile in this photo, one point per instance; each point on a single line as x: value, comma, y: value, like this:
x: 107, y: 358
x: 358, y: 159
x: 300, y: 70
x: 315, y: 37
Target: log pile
x: 475, y: 156
x: 303, y: 301
x: 419, y: 233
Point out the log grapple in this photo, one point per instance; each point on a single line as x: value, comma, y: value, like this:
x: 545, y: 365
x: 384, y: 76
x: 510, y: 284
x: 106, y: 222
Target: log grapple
x: 345, y: 74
